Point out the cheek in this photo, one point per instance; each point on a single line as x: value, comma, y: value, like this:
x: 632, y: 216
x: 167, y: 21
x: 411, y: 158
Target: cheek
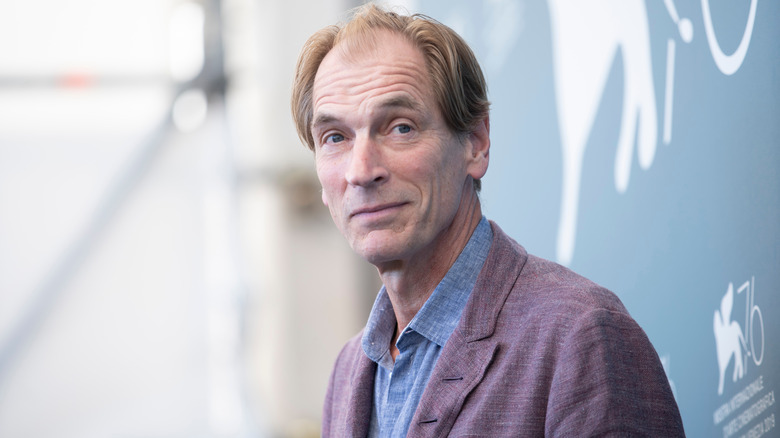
x: 329, y: 181
x: 443, y: 173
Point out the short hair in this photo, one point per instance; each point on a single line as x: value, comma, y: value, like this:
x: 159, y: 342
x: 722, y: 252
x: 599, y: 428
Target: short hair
x: 459, y: 86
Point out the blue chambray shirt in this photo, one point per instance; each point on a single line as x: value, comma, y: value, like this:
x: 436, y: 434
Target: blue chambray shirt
x: 398, y: 386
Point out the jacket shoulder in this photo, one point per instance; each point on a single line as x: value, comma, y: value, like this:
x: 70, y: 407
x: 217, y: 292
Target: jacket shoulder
x: 345, y: 368
x: 536, y: 282
x: 548, y: 284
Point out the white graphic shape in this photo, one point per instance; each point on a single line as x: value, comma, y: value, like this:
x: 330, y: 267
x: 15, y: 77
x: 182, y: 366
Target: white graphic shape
x: 666, y: 362
x: 728, y: 64
x: 684, y: 26
x: 752, y: 316
x: 728, y: 339
x: 586, y: 37
x: 669, y: 96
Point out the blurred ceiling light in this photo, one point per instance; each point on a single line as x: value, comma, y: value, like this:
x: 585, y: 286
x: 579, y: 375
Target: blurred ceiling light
x: 186, y: 41
x: 189, y: 110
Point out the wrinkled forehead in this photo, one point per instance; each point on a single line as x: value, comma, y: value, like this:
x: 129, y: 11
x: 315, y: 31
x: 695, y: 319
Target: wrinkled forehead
x: 375, y: 53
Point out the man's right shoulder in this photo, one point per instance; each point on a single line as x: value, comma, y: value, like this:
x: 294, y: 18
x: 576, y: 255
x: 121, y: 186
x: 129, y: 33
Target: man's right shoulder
x: 352, y: 347
x: 352, y: 380
x: 348, y: 357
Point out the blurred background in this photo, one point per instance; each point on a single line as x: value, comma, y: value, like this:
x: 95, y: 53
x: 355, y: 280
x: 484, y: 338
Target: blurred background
x: 167, y: 268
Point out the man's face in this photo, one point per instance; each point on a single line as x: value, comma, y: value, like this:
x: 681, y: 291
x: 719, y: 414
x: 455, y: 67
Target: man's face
x: 393, y: 175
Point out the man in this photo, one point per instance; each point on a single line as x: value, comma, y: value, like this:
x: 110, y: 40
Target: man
x: 470, y: 335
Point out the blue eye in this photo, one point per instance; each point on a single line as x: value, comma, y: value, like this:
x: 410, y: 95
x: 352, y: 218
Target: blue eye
x: 334, y: 138
x: 404, y: 129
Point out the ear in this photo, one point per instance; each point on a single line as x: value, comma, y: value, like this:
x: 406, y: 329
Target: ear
x: 478, y: 149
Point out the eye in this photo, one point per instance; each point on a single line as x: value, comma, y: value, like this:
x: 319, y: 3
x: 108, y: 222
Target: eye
x: 334, y: 138
x: 403, y: 129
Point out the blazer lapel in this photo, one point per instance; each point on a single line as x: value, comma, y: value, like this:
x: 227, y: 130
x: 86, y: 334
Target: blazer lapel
x: 459, y: 370
x: 471, y: 348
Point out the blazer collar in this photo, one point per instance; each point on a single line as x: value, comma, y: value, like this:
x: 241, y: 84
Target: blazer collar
x: 501, y: 271
x: 470, y: 350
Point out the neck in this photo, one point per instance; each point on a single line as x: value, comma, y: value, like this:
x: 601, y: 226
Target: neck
x: 409, y: 283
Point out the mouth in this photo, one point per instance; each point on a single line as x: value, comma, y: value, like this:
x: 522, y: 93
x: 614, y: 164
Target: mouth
x: 376, y: 210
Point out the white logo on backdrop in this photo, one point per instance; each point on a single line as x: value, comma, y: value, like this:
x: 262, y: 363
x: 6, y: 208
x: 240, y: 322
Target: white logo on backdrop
x: 728, y: 64
x: 586, y: 38
x: 731, y: 341
x: 750, y: 404
x: 728, y: 339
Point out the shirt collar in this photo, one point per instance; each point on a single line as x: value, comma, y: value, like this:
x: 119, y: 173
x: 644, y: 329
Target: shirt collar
x: 440, y: 314
x: 379, y: 330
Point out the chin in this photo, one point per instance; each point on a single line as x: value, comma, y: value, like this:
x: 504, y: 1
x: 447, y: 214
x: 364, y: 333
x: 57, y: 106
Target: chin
x: 377, y: 256
x: 378, y: 252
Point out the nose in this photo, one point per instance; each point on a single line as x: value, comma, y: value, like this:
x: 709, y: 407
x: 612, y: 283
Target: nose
x: 366, y: 166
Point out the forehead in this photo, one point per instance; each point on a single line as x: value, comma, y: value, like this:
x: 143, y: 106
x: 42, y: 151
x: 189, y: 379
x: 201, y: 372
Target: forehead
x: 385, y: 64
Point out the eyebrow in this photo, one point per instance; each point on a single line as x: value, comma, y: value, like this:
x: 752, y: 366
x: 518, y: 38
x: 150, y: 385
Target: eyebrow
x: 323, y: 119
x: 390, y: 103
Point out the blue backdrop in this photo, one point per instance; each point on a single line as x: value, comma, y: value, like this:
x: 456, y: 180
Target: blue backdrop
x: 638, y: 143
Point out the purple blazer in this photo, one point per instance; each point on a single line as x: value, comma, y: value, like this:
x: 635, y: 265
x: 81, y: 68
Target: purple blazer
x: 539, y: 351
